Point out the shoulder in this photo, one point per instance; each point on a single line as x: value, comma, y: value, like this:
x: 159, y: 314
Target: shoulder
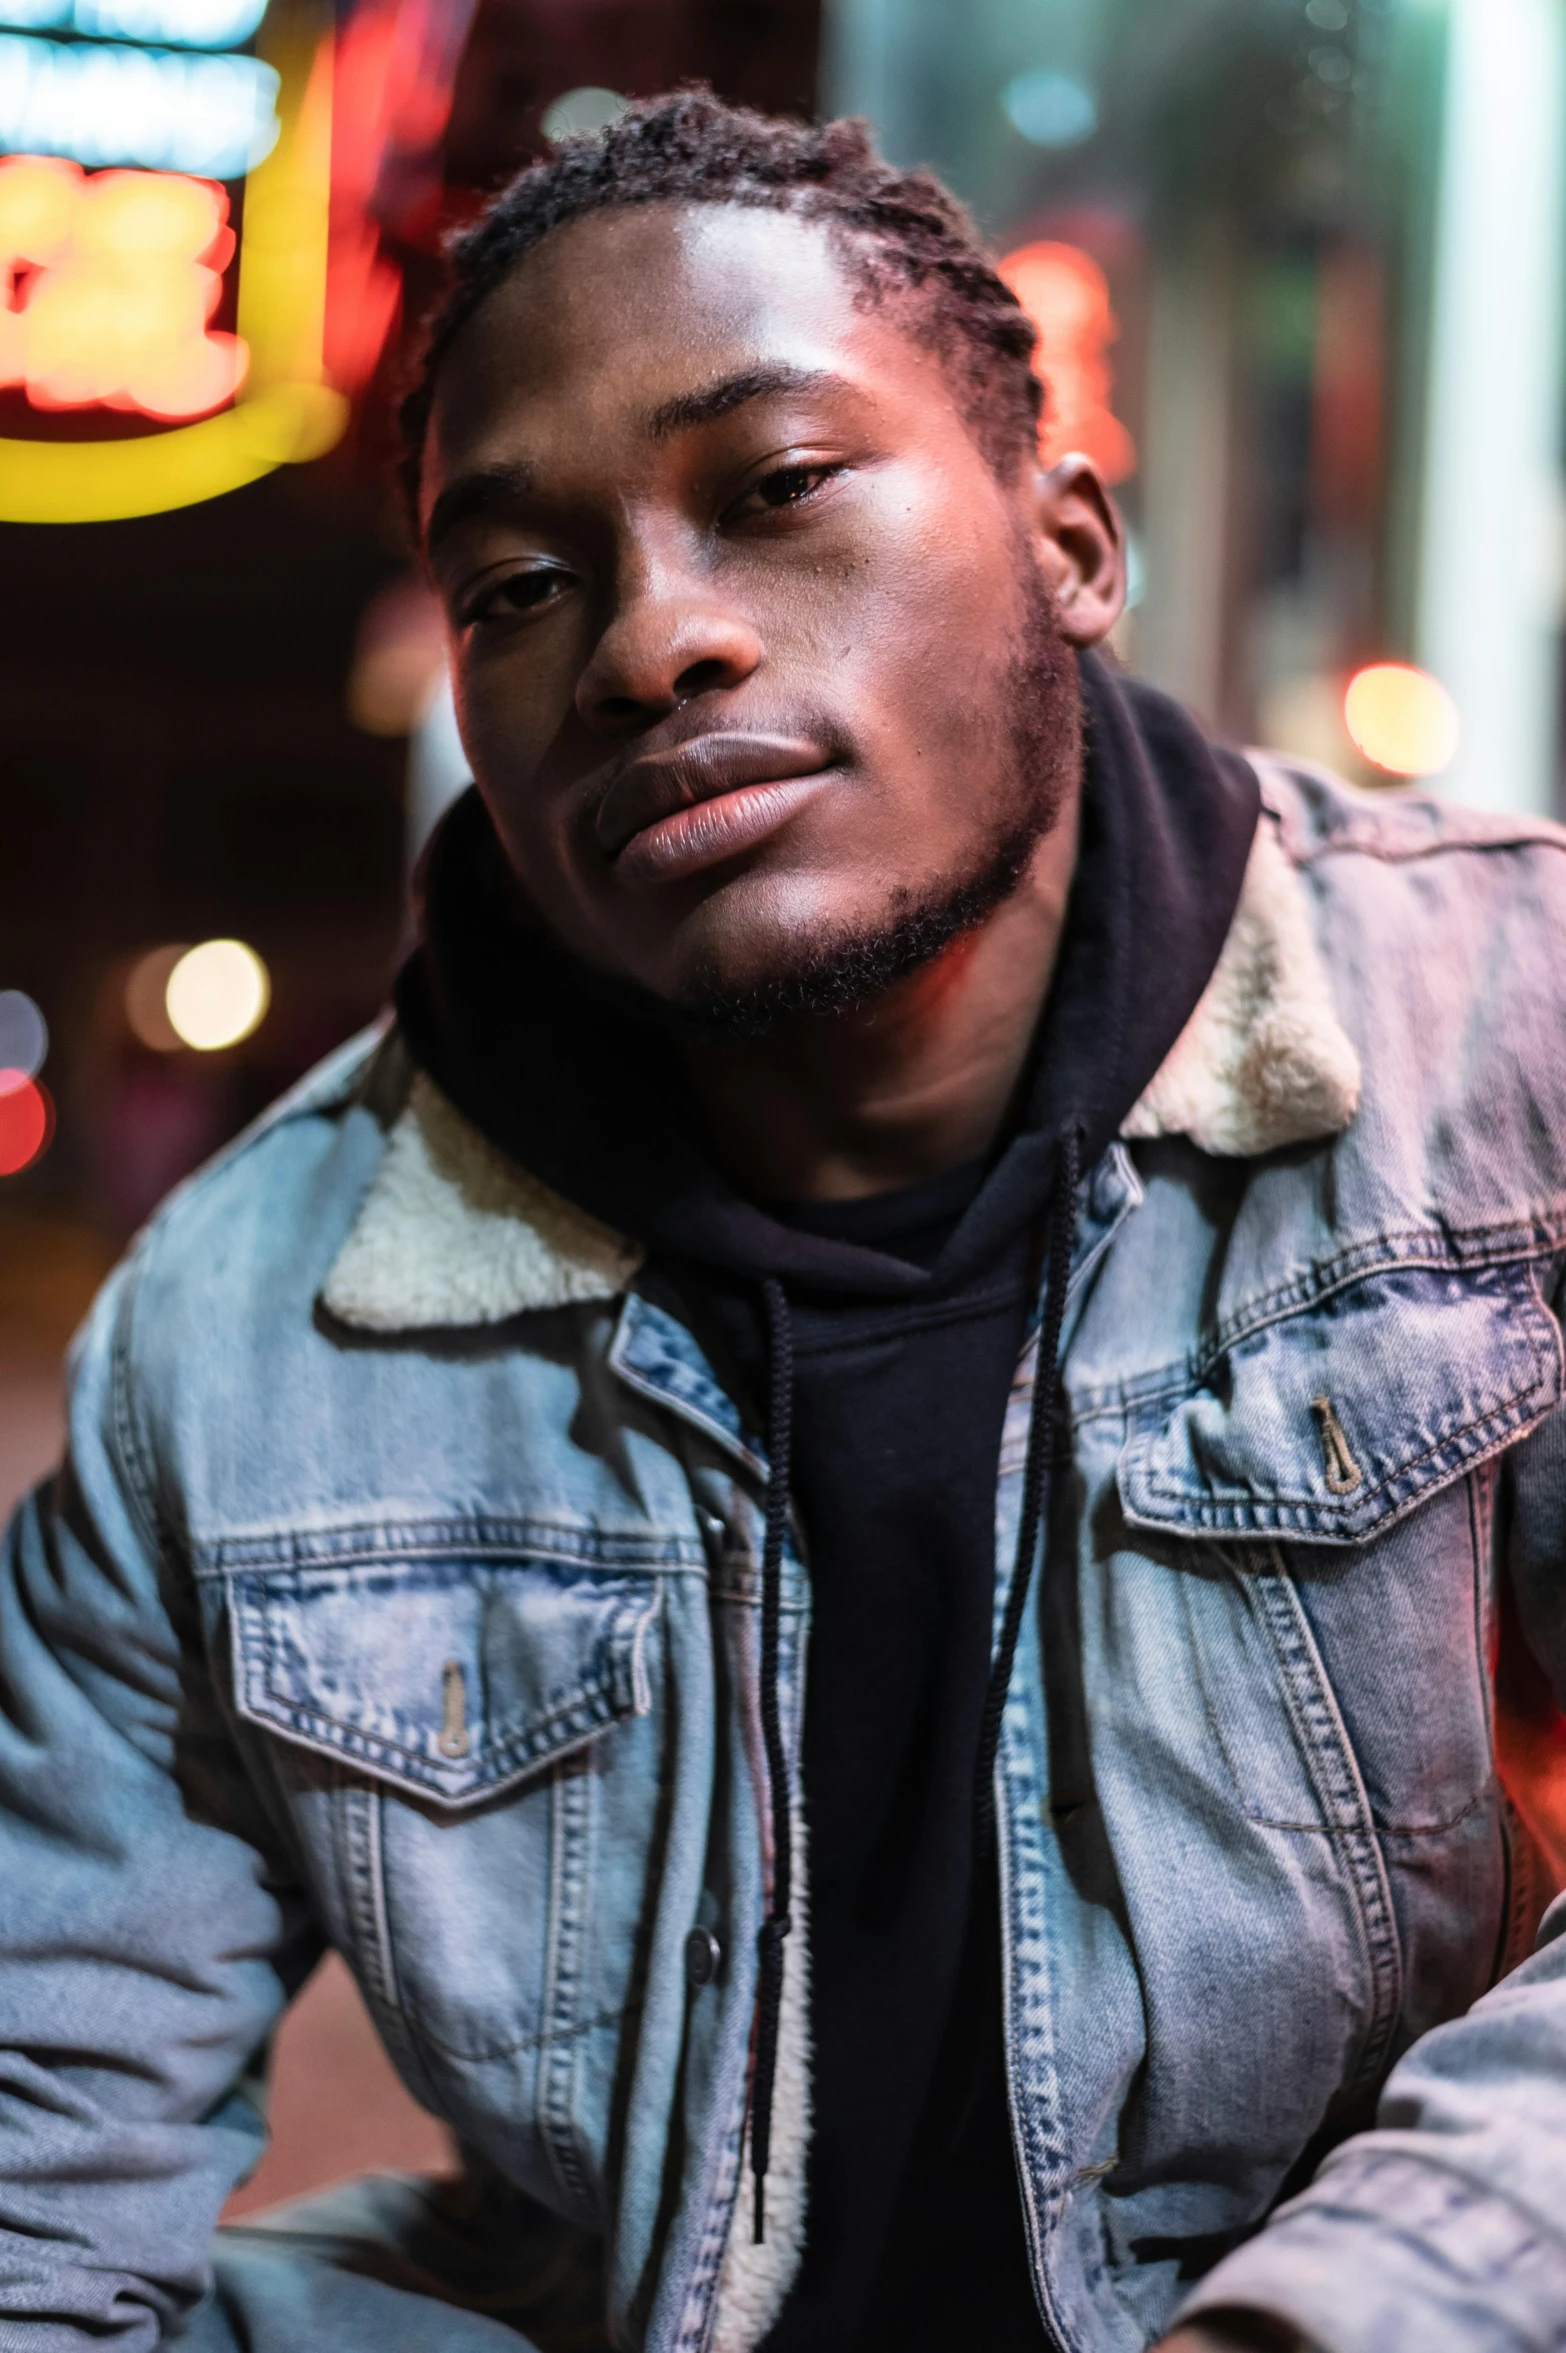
x: 278, y: 1195
x: 1441, y: 930
x: 1327, y: 825
x: 235, y: 1256
x: 1463, y: 905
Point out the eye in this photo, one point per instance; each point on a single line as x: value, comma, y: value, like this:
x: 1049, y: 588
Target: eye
x: 516, y: 593
x: 785, y: 486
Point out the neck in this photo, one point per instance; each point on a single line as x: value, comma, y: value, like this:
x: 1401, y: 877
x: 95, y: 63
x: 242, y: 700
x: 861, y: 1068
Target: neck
x: 920, y: 1080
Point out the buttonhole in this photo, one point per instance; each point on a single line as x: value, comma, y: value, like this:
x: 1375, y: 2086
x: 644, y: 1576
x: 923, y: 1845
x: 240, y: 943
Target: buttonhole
x: 453, y: 1741
x: 1097, y: 2172
x: 1343, y: 1472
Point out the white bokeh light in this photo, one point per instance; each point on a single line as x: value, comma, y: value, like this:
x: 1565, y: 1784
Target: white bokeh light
x: 217, y: 994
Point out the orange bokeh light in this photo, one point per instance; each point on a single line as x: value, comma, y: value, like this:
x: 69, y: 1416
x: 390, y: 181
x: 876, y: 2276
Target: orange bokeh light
x: 1402, y: 719
x: 26, y: 1121
x: 1066, y: 295
x: 110, y: 278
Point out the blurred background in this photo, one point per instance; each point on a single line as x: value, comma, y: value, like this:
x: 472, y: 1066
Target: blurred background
x: 1296, y: 267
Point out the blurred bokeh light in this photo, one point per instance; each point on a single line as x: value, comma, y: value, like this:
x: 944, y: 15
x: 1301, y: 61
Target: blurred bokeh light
x: 26, y: 1120
x: 146, y: 999
x: 1066, y: 294
x: 217, y: 994
x: 24, y: 1034
x: 398, y: 660
x: 587, y: 109
x: 1402, y: 719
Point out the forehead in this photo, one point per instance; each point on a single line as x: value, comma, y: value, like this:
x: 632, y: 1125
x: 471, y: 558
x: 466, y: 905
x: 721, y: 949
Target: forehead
x: 623, y: 310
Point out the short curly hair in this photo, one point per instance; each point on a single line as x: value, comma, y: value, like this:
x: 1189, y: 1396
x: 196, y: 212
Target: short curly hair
x: 904, y: 237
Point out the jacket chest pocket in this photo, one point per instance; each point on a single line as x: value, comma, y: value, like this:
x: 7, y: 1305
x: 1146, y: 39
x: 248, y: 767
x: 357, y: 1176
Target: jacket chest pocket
x: 494, y: 1728
x: 1332, y: 1472
x: 448, y: 1678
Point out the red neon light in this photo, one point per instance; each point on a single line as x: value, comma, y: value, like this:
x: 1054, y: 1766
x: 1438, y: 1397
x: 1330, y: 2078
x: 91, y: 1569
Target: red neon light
x: 385, y: 97
x: 1066, y: 295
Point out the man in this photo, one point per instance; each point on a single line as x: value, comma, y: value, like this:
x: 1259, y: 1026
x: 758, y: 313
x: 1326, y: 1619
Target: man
x: 840, y: 1514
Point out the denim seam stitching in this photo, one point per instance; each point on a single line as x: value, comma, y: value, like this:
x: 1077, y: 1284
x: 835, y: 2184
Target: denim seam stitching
x: 135, y: 1460
x: 1392, y: 1253
x: 1321, y: 1827
x: 342, y: 1744
x: 393, y: 1543
x: 1192, y: 1371
x: 1032, y: 2057
x: 1345, y: 1802
x: 570, y: 1874
x: 364, y: 1882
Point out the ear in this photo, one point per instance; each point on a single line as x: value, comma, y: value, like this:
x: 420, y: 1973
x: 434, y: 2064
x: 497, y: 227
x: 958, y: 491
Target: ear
x: 1080, y: 542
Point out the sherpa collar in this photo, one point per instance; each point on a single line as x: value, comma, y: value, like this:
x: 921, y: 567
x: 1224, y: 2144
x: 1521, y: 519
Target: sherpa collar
x: 1264, y: 1060
x: 452, y: 1233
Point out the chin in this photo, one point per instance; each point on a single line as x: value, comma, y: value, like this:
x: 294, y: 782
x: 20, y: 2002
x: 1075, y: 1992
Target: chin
x: 781, y: 976
x: 758, y: 956
x: 753, y: 935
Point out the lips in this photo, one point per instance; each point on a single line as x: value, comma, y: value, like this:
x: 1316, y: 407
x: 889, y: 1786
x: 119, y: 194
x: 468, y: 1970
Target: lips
x: 678, y: 810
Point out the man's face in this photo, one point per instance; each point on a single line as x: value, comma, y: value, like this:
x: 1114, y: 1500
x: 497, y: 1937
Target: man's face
x: 738, y: 609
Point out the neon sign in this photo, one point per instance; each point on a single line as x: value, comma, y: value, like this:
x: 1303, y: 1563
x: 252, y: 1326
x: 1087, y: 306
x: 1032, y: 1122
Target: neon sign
x: 106, y: 104
x: 129, y: 271
x: 175, y: 24
x: 120, y: 272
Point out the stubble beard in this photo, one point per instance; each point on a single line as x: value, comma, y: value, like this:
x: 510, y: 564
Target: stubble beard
x: 1043, y: 738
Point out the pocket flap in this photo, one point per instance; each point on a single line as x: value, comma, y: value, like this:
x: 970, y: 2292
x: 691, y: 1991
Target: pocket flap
x: 1328, y: 1424
x: 450, y: 1677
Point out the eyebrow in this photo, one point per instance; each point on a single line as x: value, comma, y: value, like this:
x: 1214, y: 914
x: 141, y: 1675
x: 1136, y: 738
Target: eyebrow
x: 490, y: 490
x: 689, y: 409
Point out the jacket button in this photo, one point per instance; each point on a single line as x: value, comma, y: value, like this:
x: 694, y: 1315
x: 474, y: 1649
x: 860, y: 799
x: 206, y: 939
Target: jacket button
x: 703, y: 1953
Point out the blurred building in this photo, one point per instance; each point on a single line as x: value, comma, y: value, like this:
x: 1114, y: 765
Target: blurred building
x: 1330, y: 232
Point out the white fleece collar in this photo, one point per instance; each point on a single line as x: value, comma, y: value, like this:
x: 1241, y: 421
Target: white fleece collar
x: 452, y: 1233
x: 1264, y: 1060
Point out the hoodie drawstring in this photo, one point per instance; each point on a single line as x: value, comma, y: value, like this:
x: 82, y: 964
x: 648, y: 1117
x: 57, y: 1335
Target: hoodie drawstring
x: 1043, y: 1445
x: 775, y: 1927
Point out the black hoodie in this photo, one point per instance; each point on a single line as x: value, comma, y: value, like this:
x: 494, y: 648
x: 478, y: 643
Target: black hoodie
x: 907, y: 1313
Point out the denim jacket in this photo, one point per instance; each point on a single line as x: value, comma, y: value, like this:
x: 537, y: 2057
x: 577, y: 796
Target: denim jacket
x: 399, y: 1593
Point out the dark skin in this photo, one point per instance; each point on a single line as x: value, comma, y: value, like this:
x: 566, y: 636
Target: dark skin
x: 831, y: 564
x: 732, y: 592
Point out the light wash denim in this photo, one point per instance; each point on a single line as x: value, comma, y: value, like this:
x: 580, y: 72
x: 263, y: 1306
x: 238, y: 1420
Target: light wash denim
x: 439, y: 1646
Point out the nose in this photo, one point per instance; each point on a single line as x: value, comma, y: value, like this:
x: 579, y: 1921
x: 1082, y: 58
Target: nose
x: 671, y: 634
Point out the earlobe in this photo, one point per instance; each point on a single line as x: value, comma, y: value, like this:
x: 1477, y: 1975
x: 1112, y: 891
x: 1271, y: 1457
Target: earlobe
x: 1080, y: 540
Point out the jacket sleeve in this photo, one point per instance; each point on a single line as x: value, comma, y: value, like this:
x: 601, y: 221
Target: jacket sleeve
x: 149, y: 1930
x: 1446, y: 2225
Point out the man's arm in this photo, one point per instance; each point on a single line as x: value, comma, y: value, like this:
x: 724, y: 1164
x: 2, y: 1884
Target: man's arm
x: 148, y: 1928
x: 1446, y: 2226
